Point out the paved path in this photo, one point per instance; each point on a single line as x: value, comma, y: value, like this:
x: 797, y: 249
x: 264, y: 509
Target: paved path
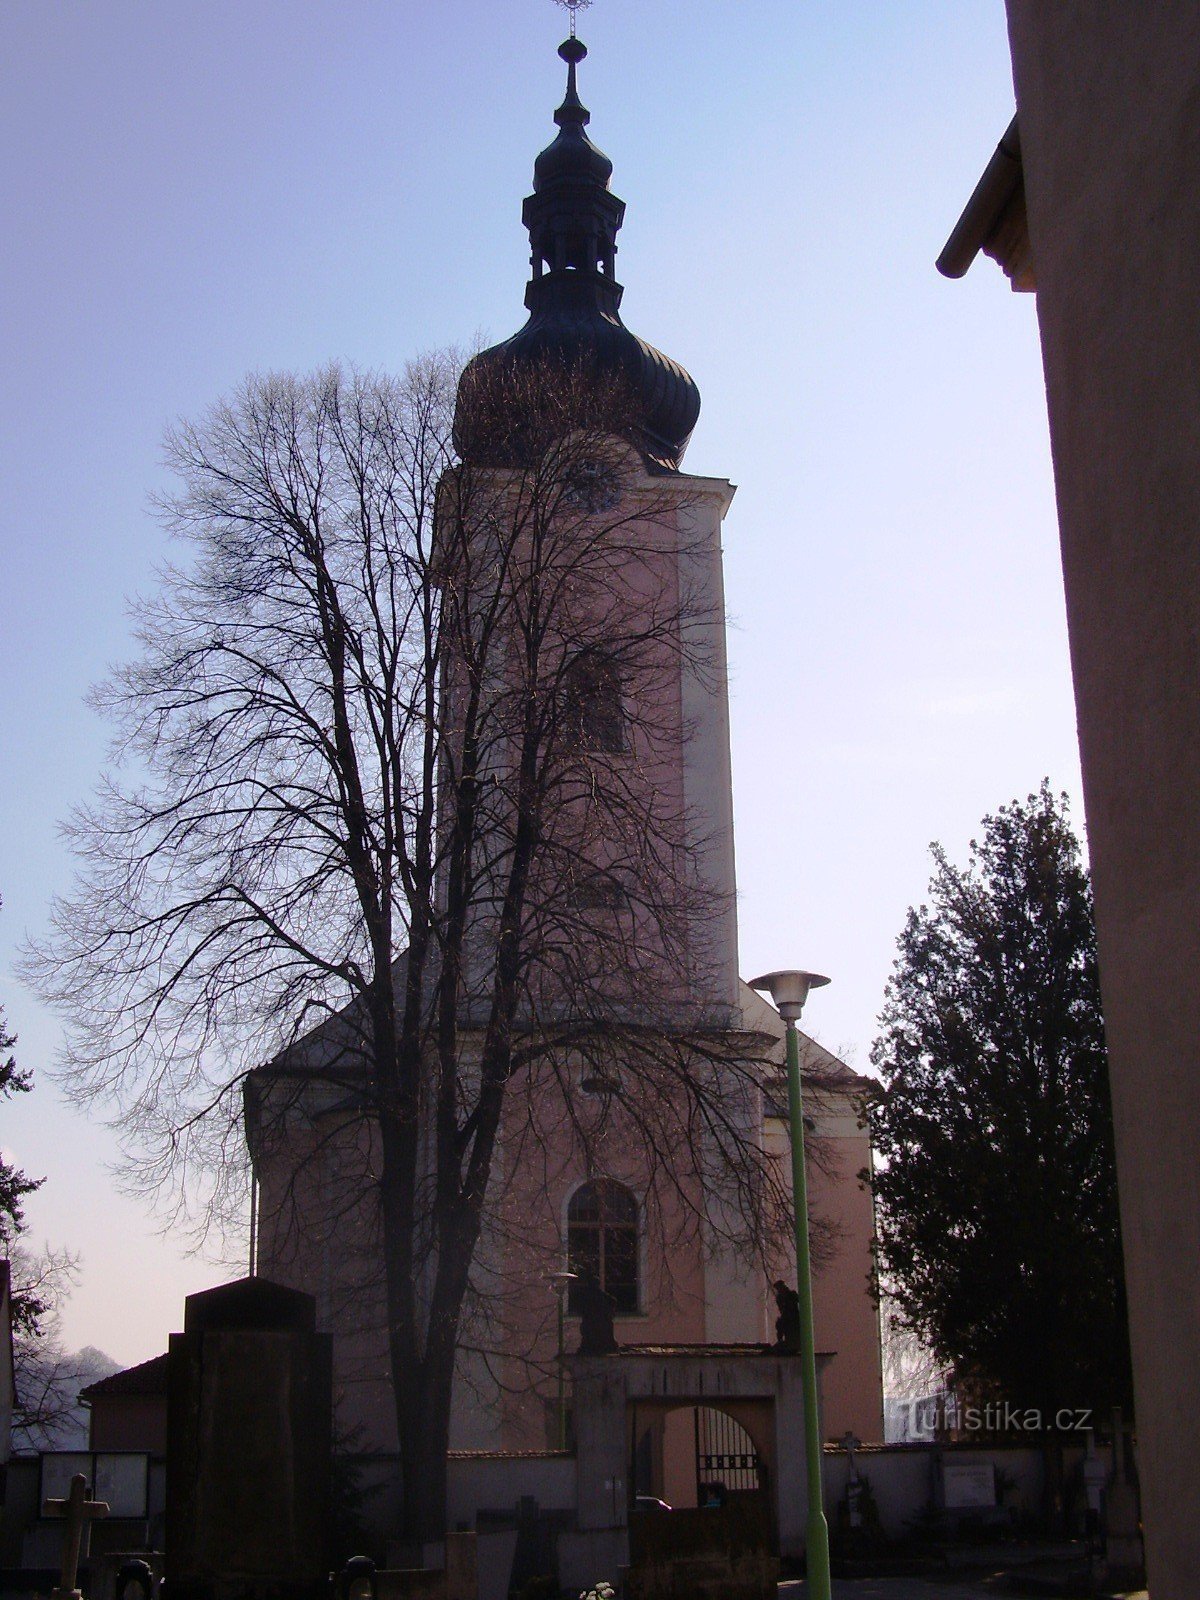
x: 899, y: 1589
x: 913, y: 1589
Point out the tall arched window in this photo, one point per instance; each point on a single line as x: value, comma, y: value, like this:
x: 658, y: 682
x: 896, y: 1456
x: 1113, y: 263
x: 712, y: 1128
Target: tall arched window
x: 592, y: 703
x: 602, y: 1241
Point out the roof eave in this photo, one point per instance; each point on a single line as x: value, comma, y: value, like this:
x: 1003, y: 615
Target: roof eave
x: 994, y: 219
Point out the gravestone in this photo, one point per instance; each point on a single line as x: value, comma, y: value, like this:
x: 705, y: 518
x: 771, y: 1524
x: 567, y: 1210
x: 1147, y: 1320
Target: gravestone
x: 249, y: 1406
x: 78, y: 1513
x: 1095, y: 1473
x: 854, y: 1481
x: 1123, y: 1552
x: 968, y: 1485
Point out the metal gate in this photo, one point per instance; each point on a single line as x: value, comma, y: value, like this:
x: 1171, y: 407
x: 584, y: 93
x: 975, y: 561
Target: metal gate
x: 725, y: 1454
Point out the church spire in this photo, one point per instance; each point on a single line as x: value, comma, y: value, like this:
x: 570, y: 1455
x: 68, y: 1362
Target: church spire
x: 573, y: 296
x: 572, y: 215
x: 572, y: 51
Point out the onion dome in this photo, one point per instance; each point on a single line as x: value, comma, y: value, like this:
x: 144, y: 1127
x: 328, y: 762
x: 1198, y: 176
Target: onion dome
x: 573, y: 299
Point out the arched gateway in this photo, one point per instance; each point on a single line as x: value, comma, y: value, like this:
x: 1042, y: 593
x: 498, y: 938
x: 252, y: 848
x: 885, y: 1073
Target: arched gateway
x: 624, y: 1406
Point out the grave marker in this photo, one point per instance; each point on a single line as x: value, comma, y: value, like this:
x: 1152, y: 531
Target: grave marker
x: 79, y: 1513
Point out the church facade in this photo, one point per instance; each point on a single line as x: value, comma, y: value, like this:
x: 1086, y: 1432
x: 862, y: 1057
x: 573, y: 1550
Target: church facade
x: 586, y: 1195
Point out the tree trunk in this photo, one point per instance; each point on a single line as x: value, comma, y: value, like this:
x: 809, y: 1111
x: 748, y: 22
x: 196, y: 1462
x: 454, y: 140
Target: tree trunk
x: 422, y: 1345
x: 424, y: 1442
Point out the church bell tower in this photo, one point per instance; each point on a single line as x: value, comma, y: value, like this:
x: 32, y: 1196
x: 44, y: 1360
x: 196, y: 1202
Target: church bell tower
x: 574, y: 300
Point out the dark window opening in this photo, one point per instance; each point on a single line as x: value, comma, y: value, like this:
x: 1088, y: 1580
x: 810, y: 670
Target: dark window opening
x: 597, y: 891
x: 593, y: 711
x: 602, y: 1242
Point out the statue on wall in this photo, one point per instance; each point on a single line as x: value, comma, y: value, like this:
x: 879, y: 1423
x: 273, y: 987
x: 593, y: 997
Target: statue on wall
x: 596, y: 1336
x: 787, y: 1323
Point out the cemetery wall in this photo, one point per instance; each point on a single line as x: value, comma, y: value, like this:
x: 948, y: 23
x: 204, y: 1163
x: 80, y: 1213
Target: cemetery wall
x: 478, y: 1481
x: 486, y: 1482
x: 905, y: 1478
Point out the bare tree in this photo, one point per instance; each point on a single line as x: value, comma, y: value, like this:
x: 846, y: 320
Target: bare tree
x: 15, y: 1185
x: 911, y: 1371
x: 400, y: 821
x: 40, y: 1282
x: 47, y: 1377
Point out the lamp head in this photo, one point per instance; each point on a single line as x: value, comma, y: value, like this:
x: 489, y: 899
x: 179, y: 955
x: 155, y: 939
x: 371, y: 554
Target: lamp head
x: 789, y: 990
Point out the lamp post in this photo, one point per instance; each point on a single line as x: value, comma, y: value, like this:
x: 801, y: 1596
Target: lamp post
x: 562, y: 1281
x: 789, y: 991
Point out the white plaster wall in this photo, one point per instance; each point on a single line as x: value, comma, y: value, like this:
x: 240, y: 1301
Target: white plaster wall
x: 707, y: 770
x: 499, y: 1483
x: 1108, y: 96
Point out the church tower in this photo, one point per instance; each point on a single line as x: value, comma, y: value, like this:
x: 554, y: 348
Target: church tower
x: 574, y: 325
x: 580, y: 1193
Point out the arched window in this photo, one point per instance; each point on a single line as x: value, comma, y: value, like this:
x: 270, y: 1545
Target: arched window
x: 592, y: 707
x: 602, y: 1241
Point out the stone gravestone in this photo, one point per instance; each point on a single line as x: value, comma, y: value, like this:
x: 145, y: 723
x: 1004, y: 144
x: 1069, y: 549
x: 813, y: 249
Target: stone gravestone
x: 1122, y: 1517
x: 249, y: 1405
x: 854, y: 1481
x: 968, y: 1485
x: 78, y: 1513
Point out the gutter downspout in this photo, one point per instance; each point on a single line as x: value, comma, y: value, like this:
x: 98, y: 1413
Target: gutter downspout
x: 1001, y: 178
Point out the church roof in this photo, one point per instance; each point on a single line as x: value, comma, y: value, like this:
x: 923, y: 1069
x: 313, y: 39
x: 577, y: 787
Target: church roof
x: 148, y: 1377
x: 573, y: 300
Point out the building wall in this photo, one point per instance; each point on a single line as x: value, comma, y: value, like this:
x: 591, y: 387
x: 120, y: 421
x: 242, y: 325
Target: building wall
x: 129, y: 1422
x: 1108, y: 96
x: 845, y: 1316
x: 704, y: 713
x: 318, y: 1231
x: 538, y: 1183
x: 647, y: 587
x: 315, y: 1235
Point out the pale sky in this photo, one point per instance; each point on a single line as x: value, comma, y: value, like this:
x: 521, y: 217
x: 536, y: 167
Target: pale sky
x: 192, y: 192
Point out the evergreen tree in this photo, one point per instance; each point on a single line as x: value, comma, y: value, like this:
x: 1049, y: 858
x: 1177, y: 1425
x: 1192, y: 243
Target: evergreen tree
x: 14, y: 1184
x: 999, y: 1236
x: 47, y: 1379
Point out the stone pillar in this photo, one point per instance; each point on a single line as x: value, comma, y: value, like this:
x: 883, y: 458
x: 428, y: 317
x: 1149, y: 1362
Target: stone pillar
x: 249, y: 1426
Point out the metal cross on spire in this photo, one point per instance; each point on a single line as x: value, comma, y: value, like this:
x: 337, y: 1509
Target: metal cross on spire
x: 573, y: 6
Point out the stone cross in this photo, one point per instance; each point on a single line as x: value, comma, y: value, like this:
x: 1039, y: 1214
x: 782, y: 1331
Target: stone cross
x: 850, y: 1444
x: 79, y: 1512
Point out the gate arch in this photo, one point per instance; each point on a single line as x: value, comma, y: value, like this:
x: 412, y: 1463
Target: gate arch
x: 619, y: 1396
x: 677, y: 1447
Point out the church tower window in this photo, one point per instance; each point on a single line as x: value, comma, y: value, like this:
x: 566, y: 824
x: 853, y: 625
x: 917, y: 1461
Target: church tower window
x: 593, y: 710
x: 602, y: 1242
x: 592, y: 486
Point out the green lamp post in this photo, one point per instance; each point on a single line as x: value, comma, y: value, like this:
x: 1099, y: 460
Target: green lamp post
x: 789, y: 991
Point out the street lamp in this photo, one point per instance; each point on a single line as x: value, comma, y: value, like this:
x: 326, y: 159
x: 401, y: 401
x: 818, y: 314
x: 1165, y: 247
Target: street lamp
x: 789, y: 991
x: 562, y: 1281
